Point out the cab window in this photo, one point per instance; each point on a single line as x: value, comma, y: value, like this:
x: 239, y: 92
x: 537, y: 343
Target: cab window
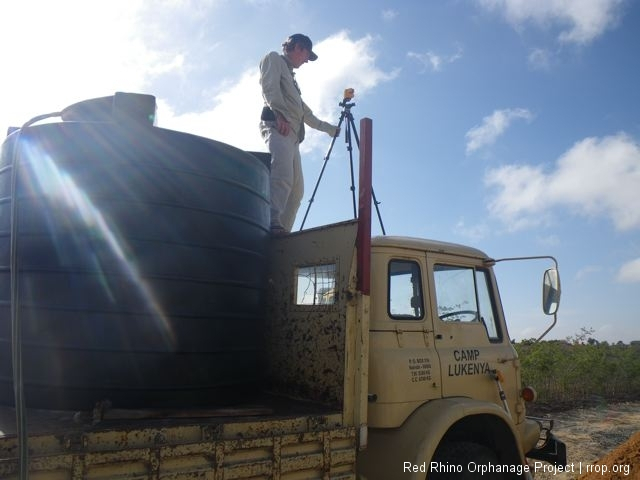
x: 405, y: 290
x: 463, y: 294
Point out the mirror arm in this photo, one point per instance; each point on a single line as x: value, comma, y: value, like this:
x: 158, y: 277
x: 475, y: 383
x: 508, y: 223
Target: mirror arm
x: 490, y: 262
x: 555, y: 319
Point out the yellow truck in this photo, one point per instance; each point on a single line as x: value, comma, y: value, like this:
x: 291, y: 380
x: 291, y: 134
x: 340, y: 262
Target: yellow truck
x: 378, y: 358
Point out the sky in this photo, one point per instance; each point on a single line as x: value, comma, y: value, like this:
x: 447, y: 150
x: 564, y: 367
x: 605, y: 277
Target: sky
x: 508, y: 125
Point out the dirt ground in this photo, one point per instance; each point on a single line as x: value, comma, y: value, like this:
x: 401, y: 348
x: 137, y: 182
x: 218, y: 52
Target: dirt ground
x: 603, y: 442
x: 626, y: 454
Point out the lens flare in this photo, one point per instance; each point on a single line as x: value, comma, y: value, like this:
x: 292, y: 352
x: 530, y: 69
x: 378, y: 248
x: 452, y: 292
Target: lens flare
x: 83, y: 219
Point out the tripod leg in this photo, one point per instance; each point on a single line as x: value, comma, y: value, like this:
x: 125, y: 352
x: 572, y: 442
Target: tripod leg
x: 373, y: 193
x: 349, y: 128
x: 355, y: 132
x: 376, y: 203
x: 324, y: 165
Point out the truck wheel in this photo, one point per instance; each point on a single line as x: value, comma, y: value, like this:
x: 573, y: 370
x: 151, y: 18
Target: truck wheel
x: 463, y: 461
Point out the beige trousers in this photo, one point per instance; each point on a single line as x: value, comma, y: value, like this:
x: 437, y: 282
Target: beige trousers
x: 287, y: 181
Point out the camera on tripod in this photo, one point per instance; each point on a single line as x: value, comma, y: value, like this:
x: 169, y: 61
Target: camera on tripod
x: 350, y: 128
x: 349, y: 93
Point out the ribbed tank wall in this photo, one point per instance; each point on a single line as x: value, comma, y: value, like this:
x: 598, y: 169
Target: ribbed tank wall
x: 141, y: 265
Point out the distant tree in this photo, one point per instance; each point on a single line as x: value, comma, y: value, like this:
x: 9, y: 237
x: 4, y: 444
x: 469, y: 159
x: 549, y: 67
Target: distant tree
x: 581, y: 337
x: 576, y: 370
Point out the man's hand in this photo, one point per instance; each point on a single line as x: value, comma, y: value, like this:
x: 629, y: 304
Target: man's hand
x: 282, y: 125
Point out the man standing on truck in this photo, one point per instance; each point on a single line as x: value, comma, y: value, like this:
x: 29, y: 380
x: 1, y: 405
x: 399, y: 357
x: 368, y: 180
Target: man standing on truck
x: 282, y: 127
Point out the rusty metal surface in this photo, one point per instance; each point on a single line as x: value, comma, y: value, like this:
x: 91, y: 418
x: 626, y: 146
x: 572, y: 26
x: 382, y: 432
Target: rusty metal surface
x: 286, y: 448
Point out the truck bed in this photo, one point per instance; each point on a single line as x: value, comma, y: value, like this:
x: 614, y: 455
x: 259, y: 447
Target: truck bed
x: 274, y: 437
x: 314, y: 351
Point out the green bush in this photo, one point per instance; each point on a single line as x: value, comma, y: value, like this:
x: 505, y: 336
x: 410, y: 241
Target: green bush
x: 580, y: 369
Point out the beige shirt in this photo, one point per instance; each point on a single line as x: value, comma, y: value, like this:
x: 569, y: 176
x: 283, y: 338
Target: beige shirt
x: 282, y: 95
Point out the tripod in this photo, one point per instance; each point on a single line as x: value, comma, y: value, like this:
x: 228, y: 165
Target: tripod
x: 346, y: 117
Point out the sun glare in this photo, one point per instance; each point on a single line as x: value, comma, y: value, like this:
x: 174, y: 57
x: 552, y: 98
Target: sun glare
x: 61, y: 191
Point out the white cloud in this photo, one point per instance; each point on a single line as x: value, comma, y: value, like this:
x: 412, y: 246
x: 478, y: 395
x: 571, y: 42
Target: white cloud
x: 433, y: 61
x: 473, y: 233
x: 234, y: 112
x: 69, y: 50
x: 630, y: 272
x: 522, y: 189
x: 344, y: 63
x: 540, y: 59
x: 389, y: 15
x: 601, y: 176
x: 548, y: 240
x: 587, y: 271
x: 232, y: 117
x: 581, y: 21
x: 493, y: 126
x: 595, y: 177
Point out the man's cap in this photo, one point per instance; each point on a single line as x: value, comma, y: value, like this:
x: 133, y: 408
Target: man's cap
x: 304, y: 42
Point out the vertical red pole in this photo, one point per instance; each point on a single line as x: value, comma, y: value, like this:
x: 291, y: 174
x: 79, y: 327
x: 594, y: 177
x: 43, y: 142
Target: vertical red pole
x: 363, y: 240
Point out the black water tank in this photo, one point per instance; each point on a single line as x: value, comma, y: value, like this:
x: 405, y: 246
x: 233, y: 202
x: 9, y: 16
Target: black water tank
x: 141, y: 258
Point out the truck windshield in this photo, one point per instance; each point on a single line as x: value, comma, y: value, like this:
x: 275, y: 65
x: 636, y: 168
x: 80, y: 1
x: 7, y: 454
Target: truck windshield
x: 464, y: 295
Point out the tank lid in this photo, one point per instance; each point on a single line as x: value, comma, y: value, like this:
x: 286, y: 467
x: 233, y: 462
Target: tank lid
x: 121, y: 107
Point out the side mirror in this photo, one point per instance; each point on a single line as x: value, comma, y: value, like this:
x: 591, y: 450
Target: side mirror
x: 551, y: 291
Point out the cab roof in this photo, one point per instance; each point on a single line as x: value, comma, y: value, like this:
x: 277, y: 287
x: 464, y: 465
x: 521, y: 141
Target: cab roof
x: 427, y: 245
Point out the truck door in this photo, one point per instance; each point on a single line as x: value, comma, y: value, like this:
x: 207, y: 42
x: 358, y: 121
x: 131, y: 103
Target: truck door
x: 469, y: 331
x: 403, y: 367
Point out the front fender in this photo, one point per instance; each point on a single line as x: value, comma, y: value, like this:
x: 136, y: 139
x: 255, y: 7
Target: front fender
x: 395, y: 452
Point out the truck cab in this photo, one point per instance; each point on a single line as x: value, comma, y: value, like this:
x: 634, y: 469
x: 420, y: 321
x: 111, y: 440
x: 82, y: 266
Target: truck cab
x: 441, y: 361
